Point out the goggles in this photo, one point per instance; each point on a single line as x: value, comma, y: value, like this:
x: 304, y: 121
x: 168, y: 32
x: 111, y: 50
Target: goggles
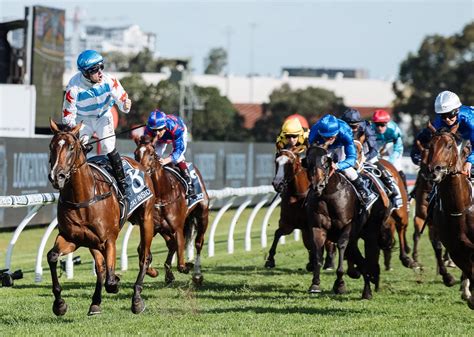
x: 291, y: 136
x: 449, y: 115
x: 380, y: 125
x: 95, y: 69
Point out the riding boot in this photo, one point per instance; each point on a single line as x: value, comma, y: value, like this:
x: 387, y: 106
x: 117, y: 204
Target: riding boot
x: 393, y: 192
x: 189, y: 181
x: 119, y: 173
x: 367, y: 196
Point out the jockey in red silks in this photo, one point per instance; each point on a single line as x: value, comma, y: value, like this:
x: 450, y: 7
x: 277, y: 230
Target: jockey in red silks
x: 167, y: 129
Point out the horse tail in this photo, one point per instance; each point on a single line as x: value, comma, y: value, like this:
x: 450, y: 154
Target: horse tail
x: 189, y: 229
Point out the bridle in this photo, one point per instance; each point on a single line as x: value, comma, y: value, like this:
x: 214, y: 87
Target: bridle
x: 74, y: 167
x: 451, y: 168
x: 293, y: 158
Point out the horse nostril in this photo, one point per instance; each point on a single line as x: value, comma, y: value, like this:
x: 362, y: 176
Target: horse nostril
x: 437, y: 168
x: 61, y: 176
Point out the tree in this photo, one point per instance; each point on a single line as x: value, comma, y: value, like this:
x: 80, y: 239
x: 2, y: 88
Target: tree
x: 219, y: 120
x: 116, y: 61
x: 215, y: 61
x: 143, y: 62
x: 311, y: 103
x: 441, y: 63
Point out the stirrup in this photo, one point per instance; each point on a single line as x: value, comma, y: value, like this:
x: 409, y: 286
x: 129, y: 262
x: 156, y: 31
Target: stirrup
x: 371, y: 199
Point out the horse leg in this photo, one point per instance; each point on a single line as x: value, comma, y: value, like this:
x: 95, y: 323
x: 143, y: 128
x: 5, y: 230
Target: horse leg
x: 270, y: 262
x: 402, y: 241
x: 94, y: 308
x: 447, y: 260
x: 465, y: 288
x: 387, y: 257
x: 146, y: 236
x: 339, y: 286
x: 330, y: 252
x: 354, y: 256
x: 307, y: 241
x: 152, y: 272
x: 171, y: 244
x: 319, y: 237
x: 111, y: 280
x: 418, y: 222
x: 372, y: 253
x: 198, y: 244
x: 448, y: 279
x: 61, y: 247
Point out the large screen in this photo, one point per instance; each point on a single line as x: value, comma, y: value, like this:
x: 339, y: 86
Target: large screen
x: 48, y: 63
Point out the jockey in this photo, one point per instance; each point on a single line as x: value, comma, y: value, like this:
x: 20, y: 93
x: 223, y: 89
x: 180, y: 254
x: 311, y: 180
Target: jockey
x: 449, y: 112
x: 170, y: 129
x: 292, y: 135
x: 389, y: 135
x: 361, y: 127
x: 338, y: 134
x: 89, y: 97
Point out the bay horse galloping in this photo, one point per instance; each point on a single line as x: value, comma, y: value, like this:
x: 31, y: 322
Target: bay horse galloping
x: 423, y: 187
x: 89, y: 216
x: 453, y: 211
x: 173, y: 219
x: 333, y: 213
x: 291, y: 181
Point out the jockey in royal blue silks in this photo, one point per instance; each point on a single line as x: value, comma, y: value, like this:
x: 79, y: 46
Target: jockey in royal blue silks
x: 338, y: 134
x: 166, y: 129
x: 362, y: 127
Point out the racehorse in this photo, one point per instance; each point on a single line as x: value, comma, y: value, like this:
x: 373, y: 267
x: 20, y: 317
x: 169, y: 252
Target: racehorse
x: 398, y: 219
x: 333, y: 213
x: 174, y: 220
x: 453, y: 211
x: 423, y: 187
x: 291, y: 181
x: 88, y: 216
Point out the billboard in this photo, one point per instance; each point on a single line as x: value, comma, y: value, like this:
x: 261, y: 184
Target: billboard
x: 47, y: 66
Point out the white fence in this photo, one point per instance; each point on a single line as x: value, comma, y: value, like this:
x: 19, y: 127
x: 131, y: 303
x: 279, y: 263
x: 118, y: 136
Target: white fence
x: 228, y: 197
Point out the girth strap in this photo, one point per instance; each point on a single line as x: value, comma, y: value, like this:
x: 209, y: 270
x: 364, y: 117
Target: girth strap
x: 77, y: 205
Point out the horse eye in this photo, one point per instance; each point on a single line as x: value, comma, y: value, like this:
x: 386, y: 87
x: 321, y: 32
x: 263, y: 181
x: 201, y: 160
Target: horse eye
x: 71, y: 147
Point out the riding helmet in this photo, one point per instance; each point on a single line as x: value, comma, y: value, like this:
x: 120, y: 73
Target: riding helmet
x: 351, y: 116
x: 381, y: 116
x: 446, y: 101
x: 157, y: 120
x: 328, y: 126
x: 88, y: 59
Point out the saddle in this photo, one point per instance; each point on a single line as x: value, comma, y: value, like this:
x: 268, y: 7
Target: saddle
x: 199, y: 195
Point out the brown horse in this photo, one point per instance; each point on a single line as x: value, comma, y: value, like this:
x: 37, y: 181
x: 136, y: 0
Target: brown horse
x: 173, y: 219
x: 291, y: 181
x: 453, y: 212
x: 333, y: 213
x: 398, y: 219
x: 89, y: 215
x: 423, y: 187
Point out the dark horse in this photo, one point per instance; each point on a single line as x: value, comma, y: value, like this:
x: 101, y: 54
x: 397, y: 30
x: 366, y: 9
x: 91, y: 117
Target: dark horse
x: 89, y: 215
x: 398, y: 219
x: 453, y: 212
x: 291, y: 181
x: 173, y: 219
x: 333, y: 213
x: 423, y: 187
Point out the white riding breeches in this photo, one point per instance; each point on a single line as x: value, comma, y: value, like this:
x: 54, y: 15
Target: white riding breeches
x: 103, y: 127
x: 350, y: 173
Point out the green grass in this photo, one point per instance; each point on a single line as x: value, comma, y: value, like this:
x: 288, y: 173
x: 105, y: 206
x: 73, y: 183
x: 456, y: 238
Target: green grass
x: 238, y: 297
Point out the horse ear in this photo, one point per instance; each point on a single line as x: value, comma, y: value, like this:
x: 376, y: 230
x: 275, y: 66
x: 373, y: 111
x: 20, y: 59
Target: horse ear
x: 53, y: 126
x: 431, y: 127
x: 136, y: 139
x: 75, y: 130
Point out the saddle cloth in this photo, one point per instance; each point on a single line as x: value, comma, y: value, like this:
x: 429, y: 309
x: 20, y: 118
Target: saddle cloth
x: 137, y: 191
x: 199, y: 195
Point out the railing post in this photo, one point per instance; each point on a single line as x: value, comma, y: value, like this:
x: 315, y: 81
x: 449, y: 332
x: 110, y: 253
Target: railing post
x: 214, y: 225
x: 248, y: 230
x: 233, y: 223
x: 266, y: 219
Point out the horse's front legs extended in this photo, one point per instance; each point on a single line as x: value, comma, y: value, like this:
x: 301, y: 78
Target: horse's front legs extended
x: 183, y: 267
x: 270, y: 262
x: 448, y: 279
x: 198, y: 244
x: 339, y: 286
x: 171, y: 244
x: 94, y: 308
x: 61, y: 247
x: 112, y: 280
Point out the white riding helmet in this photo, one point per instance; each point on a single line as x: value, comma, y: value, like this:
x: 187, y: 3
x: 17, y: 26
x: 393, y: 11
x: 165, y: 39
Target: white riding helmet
x: 446, y: 101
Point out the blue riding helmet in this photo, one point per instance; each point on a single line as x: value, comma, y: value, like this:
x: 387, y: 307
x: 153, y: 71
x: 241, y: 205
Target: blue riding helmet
x: 351, y: 116
x: 329, y: 126
x: 157, y: 120
x: 88, y: 59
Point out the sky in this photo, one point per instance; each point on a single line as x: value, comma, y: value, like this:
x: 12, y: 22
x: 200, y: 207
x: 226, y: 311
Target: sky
x: 265, y: 36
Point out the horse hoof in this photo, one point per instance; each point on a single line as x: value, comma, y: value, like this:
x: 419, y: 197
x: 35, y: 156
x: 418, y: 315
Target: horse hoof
x: 470, y: 303
x: 353, y: 273
x: 449, y: 280
x: 450, y: 264
x: 94, y: 309
x: 59, y: 307
x: 339, y: 289
x: 198, y: 279
x: 138, y: 306
x: 366, y: 296
x: 309, y: 267
x: 184, y: 269
x: 269, y: 264
x: 152, y: 272
x: 112, y: 288
x: 314, y: 289
x: 388, y: 268
x: 169, y: 278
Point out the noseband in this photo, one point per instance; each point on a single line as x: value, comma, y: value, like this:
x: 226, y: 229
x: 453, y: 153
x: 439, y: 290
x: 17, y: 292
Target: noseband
x: 450, y: 169
x: 74, y: 167
x: 293, y: 158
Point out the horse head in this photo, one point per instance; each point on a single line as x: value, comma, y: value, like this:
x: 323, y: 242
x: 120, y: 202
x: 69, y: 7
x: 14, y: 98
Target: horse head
x: 443, y: 157
x: 319, y: 168
x: 145, y: 153
x: 65, y: 150
x: 288, y: 166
